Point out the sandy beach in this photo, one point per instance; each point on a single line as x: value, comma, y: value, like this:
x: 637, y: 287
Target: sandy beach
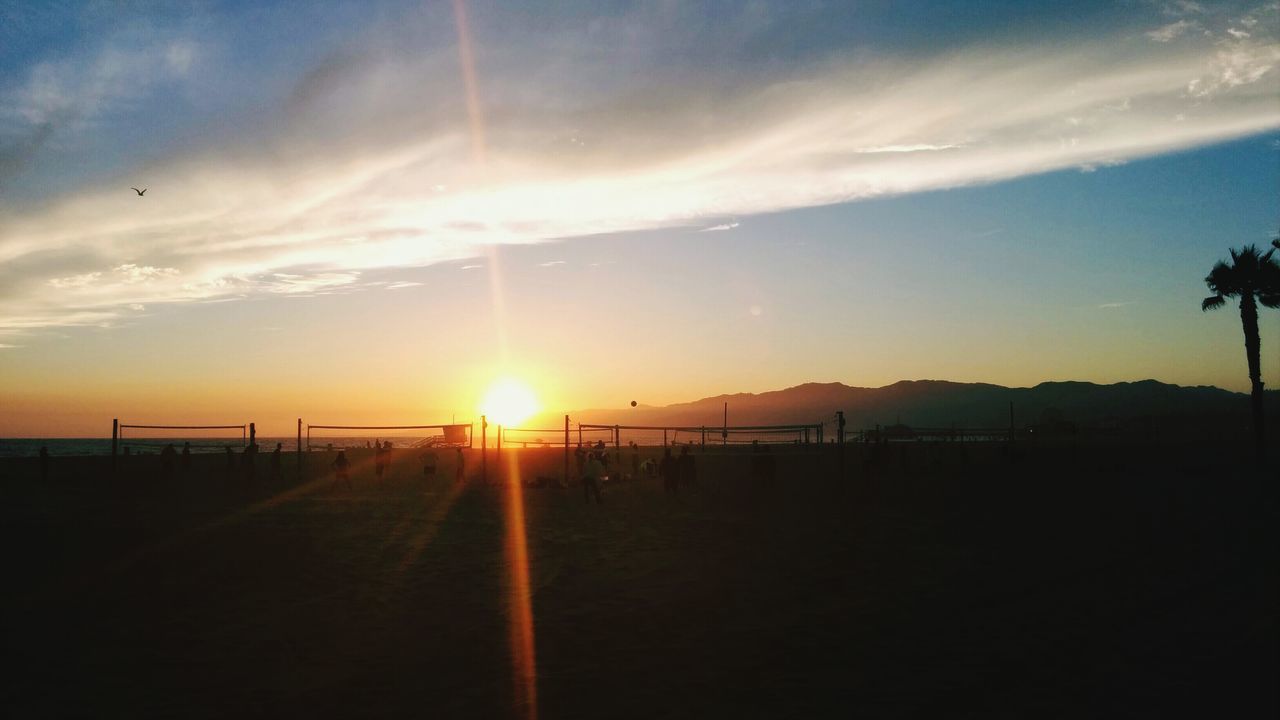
x: 1001, y: 588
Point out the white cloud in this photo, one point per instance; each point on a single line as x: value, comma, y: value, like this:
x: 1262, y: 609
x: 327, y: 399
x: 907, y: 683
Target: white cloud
x: 916, y: 147
x: 1182, y: 7
x: 402, y: 285
x: 75, y: 281
x: 311, y: 284
x: 295, y: 210
x: 1171, y: 31
x: 73, y: 91
x: 551, y: 263
x: 1114, y: 305
x: 131, y: 273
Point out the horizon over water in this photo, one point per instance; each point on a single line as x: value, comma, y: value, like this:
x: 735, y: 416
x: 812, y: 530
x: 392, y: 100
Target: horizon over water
x: 71, y: 447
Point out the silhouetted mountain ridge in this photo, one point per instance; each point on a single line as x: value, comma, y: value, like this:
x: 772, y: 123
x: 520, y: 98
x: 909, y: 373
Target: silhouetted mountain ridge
x: 943, y: 403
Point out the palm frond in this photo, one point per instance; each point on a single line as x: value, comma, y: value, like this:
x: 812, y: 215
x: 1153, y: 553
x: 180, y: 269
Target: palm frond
x: 1213, y: 302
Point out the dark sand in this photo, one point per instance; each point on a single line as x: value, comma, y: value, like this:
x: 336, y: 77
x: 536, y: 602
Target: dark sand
x: 1065, y: 584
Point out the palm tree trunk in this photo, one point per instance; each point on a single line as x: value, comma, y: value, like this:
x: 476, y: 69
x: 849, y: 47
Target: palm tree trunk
x: 1253, y: 348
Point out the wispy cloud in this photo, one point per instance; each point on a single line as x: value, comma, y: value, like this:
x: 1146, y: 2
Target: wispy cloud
x: 402, y: 285
x: 551, y: 263
x: 470, y: 267
x: 1169, y: 32
x: 61, y: 98
x: 342, y: 182
x: 1114, y: 305
x: 291, y: 283
x: 75, y: 281
x: 915, y: 147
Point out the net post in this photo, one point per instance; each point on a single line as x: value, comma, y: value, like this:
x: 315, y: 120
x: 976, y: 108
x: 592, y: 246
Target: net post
x: 617, y: 445
x: 566, y: 450
x: 298, y: 450
x: 497, y: 453
x: 115, y: 438
x: 840, y: 440
x: 253, y: 434
x: 484, y: 443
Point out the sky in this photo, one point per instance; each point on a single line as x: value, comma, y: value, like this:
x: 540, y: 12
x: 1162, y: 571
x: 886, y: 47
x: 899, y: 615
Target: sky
x: 364, y: 213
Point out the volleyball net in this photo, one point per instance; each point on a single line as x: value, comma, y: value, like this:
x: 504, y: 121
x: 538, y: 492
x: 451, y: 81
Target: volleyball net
x: 139, y: 438
x: 347, y: 437
x: 710, y: 438
x: 553, y: 437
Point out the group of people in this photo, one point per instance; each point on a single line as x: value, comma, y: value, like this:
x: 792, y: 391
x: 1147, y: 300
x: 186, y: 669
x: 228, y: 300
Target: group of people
x: 593, y: 468
x: 341, y: 466
x: 171, y: 458
x: 677, y: 470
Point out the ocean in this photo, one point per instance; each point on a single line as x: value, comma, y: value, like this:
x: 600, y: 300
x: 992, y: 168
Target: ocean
x: 64, y: 447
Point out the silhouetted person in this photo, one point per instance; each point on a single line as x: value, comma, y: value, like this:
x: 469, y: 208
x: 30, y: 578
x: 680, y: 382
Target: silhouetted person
x: 247, y: 461
x: 44, y: 463
x: 687, y: 470
x: 635, y: 459
x: 591, y: 478
x: 460, y: 469
x: 579, y: 458
x: 167, y: 456
x: 231, y: 460
x: 670, y: 473
x: 275, y: 461
x: 379, y: 464
x: 186, y: 456
x: 340, y: 465
x: 603, y: 456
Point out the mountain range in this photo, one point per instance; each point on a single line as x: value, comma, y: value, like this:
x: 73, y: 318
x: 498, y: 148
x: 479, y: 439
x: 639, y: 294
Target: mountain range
x: 938, y: 403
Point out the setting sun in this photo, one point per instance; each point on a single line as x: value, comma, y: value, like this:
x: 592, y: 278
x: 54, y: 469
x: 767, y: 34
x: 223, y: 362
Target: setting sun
x: 509, y: 402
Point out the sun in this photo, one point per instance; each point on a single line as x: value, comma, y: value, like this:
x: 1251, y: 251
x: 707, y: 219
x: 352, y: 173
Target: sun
x: 508, y: 402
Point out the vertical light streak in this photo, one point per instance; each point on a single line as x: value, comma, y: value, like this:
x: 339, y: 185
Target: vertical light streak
x: 497, y: 303
x: 524, y: 663
x: 466, y: 59
x: 523, y: 655
x: 475, y: 125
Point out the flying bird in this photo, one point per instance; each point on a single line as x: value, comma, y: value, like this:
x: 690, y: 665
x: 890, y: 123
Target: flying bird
x: 141, y: 192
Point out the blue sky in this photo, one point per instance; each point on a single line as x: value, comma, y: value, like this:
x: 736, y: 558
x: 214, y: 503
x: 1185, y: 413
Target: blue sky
x: 1006, y: 192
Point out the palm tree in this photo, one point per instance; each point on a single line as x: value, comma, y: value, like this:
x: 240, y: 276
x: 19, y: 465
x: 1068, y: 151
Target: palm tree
x: 1252, y: 277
